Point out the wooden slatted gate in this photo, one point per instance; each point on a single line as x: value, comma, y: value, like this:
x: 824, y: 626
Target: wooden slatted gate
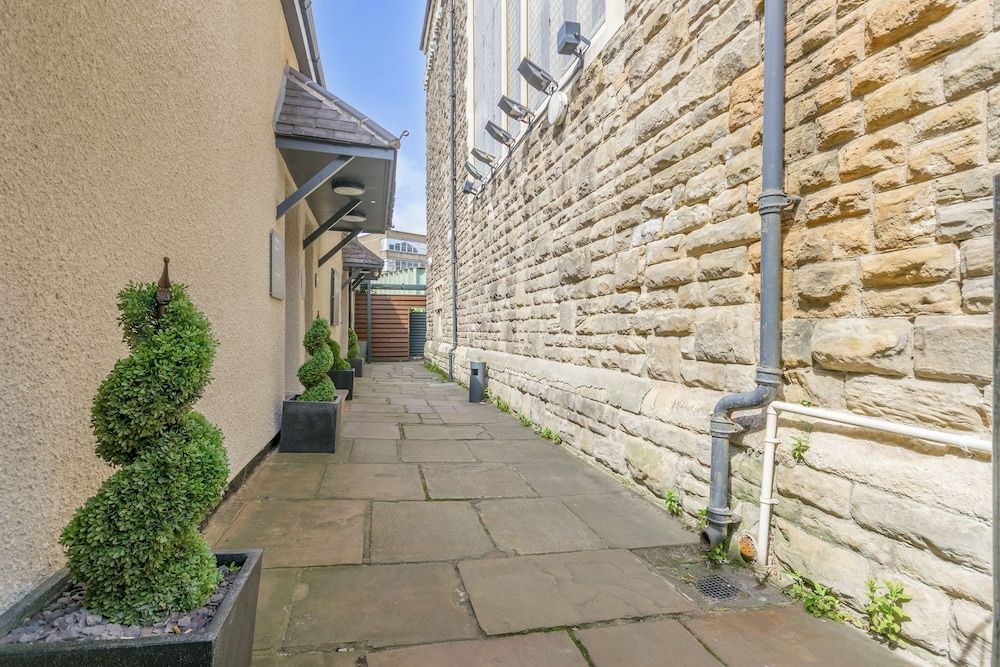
x: 390, y: 335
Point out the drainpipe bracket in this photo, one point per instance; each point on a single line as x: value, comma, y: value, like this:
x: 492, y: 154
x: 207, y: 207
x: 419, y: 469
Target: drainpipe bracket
x: 723, y: 427
x: 775, y: 201
x: 769, y: 377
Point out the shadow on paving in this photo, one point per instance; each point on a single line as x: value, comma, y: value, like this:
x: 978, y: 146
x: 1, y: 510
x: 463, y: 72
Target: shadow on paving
x: 444, y: 533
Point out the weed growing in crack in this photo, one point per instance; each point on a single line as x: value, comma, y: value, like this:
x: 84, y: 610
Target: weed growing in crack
x: 885, y: 610
x: 672, y: 502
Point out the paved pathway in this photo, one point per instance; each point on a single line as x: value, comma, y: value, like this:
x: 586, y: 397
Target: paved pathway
x: 443, y: 533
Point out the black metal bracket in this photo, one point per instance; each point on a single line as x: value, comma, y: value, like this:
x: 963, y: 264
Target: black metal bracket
x: 333, y: 220
x: 337, y: 248
x: 310, y: 186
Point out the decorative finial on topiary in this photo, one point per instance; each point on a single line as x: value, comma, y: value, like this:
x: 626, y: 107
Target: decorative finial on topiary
x: 135, y: 544
x: 313, y: 373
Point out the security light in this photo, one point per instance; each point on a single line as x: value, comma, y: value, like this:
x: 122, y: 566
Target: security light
x: 355, y: 217
x: 514, y: 109
x: 349, y: 189
x: 475, y: 173
x: 536, y: 77
x: 500, y: 134
x: 468, y: 188
x: 483, y: 157
x: 570, y: 41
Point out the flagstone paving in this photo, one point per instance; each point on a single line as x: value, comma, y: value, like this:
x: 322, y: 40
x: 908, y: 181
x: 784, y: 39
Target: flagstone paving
x: 446, y: 534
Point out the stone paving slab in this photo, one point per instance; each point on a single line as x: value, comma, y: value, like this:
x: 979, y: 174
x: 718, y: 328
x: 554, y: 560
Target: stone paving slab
x: 288, y: 481
x: 532, y: 592
x: 497, y: 451
x: 295, y: 533
x: 329, y: 659
x: 382, y: 605
x: 474, y: 480
x: 381, y: 481
x: 436, y: 432
x: 624, y: 521
x: 566, y: 478
x: 426, y: 451
x: 423, y: 531
x: 510, y: 432
x: 536, y: 526
x: 364, y: 428
x: 374, y: 451
x: 788, y: 637
x: 646, y: 644
x: 541, y: 649
x: 274, y: 603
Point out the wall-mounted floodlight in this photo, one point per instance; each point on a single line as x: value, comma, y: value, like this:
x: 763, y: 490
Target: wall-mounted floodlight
x: 501, y: 135
x: 536, y: 77
x: 469, y: 188
x: 514, y: 109
x: 475, y: 173
x: 570, y: 41
x: 483, y: 157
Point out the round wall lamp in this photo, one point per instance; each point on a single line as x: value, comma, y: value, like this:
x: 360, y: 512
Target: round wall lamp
x: 355, y: 217
x: 348, y: 189
x: 558, y: 102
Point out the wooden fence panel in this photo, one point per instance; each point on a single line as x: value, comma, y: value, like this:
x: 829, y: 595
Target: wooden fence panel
x: 390, y: 338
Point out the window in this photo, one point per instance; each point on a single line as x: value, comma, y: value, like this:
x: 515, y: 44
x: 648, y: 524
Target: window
x: 400, y: 264
x: 505, y: 31
x: 412, y: 248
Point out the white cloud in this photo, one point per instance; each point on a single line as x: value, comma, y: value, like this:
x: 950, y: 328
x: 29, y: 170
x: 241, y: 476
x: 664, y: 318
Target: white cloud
x: 410, y: 211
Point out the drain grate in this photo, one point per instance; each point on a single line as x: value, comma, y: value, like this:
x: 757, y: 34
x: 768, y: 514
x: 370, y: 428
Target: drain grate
x: 717, y: 587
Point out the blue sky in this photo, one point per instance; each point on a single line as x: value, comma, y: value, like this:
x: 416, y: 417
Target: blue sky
x: 371, y: 58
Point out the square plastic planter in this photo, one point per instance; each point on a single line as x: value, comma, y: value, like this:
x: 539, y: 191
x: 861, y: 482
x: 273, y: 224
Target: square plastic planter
x: 343, y: 380
x: 227, y: 640
x: 359, y: 367
x: 310, y: 426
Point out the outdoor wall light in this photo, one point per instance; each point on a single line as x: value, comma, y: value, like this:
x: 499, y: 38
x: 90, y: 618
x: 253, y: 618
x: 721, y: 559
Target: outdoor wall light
x: 475, y: 173
x: 536, y: 77
x: 355, y: 217
x: 348, y: 189
x: 570, y: 41
x: 514, y: 109
x: 483, y: 157
x: 501, y: 135
x: 469, y: 188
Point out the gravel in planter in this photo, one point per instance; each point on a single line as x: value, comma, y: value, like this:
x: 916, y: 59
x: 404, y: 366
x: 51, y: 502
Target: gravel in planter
x: 65, y: 619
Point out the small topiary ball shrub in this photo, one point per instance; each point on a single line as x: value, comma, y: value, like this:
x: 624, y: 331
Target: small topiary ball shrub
x: 353, y: 351
x: 313, y: 373
x: 135, y: 545
x: 339, y: 364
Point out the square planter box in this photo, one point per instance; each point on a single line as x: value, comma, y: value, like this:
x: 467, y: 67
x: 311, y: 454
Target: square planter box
x: 343, y: 380
x: 227, y: 640
x: 359, y: 367
x: 310, y: 426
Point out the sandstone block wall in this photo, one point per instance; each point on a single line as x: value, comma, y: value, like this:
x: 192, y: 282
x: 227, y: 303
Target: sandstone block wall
x: 609, y: 275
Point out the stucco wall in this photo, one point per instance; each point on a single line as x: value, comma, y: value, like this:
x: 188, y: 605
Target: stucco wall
x: 609, y: 273
x: 131, y: 131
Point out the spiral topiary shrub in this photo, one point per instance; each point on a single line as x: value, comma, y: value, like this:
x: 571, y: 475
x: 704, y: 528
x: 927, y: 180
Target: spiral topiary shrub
x: 353, y: 350
x: 135, y: 544
x: 339, y: 364
x: 313, y: 373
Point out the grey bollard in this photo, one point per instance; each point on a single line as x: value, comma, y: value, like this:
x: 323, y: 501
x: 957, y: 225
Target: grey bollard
x: 477, y: 381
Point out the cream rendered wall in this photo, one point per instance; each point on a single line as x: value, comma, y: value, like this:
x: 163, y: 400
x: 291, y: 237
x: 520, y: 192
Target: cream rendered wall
x: 131, y: 130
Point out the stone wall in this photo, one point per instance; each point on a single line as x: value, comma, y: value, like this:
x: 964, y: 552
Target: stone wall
x: 609, y: 272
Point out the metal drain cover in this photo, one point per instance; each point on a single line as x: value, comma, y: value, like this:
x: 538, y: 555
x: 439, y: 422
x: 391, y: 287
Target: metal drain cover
x: 717, y: 587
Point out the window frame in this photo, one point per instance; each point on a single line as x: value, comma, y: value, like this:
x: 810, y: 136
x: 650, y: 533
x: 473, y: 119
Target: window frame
x: 614, y: 18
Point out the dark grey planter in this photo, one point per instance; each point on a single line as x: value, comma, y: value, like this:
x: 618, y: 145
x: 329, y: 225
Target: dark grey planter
x: 343, y: 380
x: 310, y: 426
x: 359, y: 367
x: 227, y: 640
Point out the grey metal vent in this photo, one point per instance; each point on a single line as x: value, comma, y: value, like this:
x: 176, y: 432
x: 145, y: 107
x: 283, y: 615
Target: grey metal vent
x: 717, y: 587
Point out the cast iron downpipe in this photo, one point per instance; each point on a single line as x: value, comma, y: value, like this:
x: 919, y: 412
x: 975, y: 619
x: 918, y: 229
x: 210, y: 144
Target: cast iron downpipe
x: 453, y: 181
x: 772, y: 201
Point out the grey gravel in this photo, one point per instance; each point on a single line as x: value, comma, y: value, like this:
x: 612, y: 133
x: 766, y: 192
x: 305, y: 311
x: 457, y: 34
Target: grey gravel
x: 66, y: 619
